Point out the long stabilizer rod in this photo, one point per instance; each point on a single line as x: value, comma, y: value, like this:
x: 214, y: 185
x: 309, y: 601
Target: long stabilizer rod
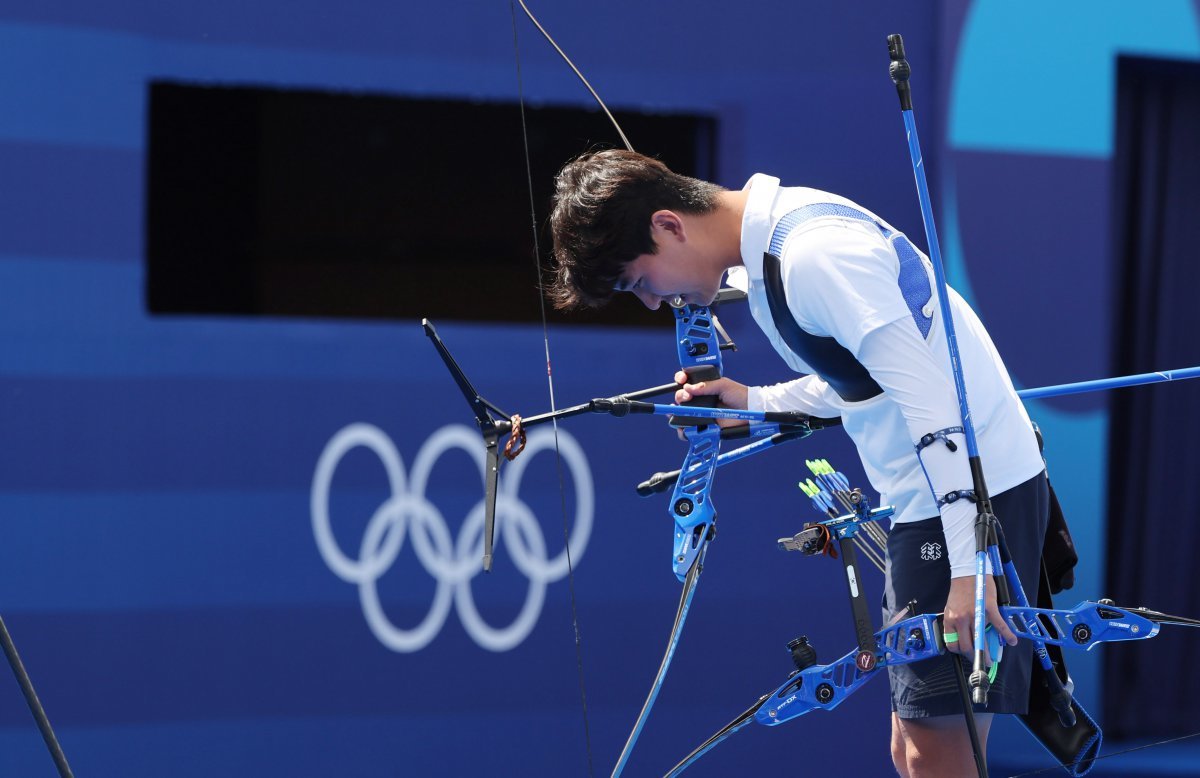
x: 1104, y: 384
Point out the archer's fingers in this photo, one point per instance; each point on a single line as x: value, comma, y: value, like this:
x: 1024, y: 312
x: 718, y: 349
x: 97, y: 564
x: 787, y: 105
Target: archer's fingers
x: 966, y: 641
x: 1001, y: 626
x: 957, y: 636
x: 966, y: 635
x: 690, y: 391
x: 682, y: 395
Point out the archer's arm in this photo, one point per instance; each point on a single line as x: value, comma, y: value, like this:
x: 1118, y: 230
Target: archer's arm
x: 808, y: 394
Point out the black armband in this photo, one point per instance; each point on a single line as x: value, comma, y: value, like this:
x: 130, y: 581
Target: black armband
x: 955, y: 496
x: 930, y: 438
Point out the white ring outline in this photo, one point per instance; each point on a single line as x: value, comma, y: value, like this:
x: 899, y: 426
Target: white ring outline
x: 407, y: 514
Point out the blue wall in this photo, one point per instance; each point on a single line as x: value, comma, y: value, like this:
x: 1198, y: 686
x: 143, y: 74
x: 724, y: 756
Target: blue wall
x: 1028, y: 152
x: 161, y: 569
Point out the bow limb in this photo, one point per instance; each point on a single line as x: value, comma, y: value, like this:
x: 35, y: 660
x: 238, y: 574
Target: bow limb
x: 694, y: 516
x: 699, y: 355
x: 823, y: 687
x: 685, y: 602
x: 717, y: 737
x: 577, y: 72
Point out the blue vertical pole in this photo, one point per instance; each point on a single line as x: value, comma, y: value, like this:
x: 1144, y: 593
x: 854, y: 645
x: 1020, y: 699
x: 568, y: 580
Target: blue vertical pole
x: 985, y: 529
x: 900, y: 72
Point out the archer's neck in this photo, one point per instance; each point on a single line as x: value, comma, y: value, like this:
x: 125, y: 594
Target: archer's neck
x: 728, y: 217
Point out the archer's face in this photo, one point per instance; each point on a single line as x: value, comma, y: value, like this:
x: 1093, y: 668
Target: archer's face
x: 680, y: 268
x: 658, y: 278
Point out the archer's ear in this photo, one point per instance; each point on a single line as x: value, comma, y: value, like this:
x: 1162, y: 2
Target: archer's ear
x: 667, y: 225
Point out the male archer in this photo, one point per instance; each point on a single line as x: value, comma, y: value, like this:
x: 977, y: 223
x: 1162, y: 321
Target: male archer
x: 850, y: 303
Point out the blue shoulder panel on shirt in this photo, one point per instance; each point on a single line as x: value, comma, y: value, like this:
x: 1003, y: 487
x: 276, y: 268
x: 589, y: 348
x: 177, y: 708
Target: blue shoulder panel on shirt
x: 913, y: 280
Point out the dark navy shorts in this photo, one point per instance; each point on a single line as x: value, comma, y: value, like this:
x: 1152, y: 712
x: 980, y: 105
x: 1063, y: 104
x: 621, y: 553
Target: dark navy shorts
x: 918, y: 569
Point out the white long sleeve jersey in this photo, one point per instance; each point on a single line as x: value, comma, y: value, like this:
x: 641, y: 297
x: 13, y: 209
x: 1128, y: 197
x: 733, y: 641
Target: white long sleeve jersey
x: 840, y: 276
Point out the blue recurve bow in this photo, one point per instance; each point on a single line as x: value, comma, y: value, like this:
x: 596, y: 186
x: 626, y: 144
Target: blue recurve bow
x: 915, y: 637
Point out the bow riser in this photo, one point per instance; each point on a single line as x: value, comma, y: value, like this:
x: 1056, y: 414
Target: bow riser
x: 824, y: 687
x: 697, y: 340
x: 691, y: 508
x: 691, y: 502
x: 1083, y: 627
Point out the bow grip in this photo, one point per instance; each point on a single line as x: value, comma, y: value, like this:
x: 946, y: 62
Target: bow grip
x: 703, y: 373
x: 696, y: 374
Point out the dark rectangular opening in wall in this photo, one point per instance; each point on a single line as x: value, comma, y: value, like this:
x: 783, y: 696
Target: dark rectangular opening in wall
x: 276, y: 202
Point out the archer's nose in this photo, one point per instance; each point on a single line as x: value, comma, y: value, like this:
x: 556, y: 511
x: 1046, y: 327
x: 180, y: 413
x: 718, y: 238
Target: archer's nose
x: 650, y: 300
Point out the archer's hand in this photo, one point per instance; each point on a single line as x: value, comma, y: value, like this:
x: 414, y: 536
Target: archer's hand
x: 959, y: 615
x: 730, y: 394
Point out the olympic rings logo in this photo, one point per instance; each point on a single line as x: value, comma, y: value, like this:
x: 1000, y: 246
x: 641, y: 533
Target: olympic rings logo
x: 453, y: 563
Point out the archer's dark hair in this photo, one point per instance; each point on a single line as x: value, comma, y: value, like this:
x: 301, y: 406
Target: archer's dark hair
x: 603, y: 202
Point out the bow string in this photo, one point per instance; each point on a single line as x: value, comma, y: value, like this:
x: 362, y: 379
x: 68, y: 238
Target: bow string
x: 489, y: 530
x: 692, y: 492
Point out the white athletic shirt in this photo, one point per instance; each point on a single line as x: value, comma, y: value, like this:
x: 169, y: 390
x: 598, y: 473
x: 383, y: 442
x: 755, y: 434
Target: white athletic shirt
x: 840, y: 276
